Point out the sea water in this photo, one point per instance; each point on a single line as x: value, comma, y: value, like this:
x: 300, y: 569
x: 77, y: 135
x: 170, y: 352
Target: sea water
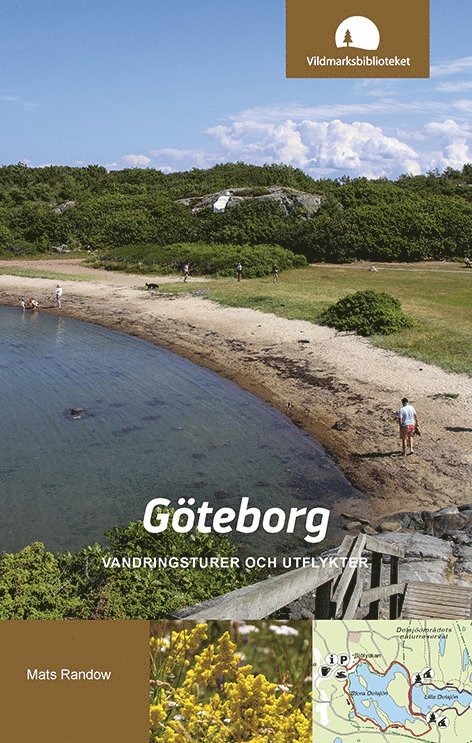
x: 151, y: 424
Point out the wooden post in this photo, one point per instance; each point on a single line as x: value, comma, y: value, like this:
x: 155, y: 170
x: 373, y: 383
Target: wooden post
x: 352, y: 589
x: 394, y: 600
x: 323, y: 601
x: 375, y: 577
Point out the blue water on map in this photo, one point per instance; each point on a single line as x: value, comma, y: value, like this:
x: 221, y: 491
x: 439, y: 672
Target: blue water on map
x: 153, y: 425
x: 465, y: 659
x: 373, y: 694
x: 442, y: 645
x: 427, y: 698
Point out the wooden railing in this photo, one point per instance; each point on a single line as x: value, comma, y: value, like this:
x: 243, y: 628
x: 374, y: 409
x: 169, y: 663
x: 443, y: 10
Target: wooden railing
x: 338, y: 592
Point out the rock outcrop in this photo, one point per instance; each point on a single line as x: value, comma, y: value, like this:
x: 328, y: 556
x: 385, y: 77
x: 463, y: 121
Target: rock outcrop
x: 437, y: 544
x: 289, y: 199
x: 61, y: 208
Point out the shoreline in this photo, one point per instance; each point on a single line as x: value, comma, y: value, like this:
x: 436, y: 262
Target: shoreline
x: 339, y: 388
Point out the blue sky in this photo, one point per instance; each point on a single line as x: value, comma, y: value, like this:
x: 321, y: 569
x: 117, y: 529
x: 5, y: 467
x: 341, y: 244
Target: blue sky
x: 175, y: 84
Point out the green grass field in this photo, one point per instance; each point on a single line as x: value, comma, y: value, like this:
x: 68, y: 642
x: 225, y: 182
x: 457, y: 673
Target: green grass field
x: 439, y: 300
x: 36, y: 273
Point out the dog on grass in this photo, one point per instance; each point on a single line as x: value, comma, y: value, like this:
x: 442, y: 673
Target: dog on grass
x: 152, y: 286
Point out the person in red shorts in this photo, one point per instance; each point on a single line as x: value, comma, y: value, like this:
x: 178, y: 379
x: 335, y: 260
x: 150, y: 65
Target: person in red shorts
x: 408, y: 422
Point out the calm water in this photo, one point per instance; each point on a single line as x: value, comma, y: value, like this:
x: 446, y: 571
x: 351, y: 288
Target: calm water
x: 154, y: 425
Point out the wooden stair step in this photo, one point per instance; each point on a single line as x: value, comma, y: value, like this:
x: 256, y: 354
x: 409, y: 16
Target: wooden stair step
x: 431, y: 600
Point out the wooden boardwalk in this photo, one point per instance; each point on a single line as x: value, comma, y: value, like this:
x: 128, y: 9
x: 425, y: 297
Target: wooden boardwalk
x: 342, y: 592
x: 432, y: 601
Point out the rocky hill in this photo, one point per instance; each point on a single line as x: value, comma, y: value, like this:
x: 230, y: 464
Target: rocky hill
x: 289, y: 199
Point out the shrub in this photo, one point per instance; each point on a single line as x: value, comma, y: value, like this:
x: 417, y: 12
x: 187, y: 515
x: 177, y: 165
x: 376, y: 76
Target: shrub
x: 32, y: 586
x: 18, y: 247
x: 367, y: 312
x: 140, y: 593
x: 215, y: 259
x: 36, y: 584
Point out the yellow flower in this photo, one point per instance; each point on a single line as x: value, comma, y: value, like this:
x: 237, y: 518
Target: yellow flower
x: 159, y: 644
x: 157, y: 714
x: 244, y: 706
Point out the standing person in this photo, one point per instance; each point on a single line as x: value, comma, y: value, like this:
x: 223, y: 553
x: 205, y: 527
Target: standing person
x: 239, y: 270
x: 58, y: 297
x: 408, y: 422
x: 186, y: 270
x: 22, y: 304
x: 275, y: 274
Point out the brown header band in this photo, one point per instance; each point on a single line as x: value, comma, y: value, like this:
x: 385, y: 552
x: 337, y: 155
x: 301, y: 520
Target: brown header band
x: 358, y: 38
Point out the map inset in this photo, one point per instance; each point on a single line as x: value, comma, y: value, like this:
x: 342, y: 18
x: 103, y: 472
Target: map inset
x: 392, y: 681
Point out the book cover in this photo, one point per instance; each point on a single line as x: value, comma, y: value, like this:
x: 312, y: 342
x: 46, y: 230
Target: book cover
x: 235, y: 266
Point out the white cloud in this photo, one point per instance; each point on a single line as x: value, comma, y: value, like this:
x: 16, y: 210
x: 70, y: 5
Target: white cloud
x: 360, y: 148
x: 172, y: 157
x: 455, y: 137
x: 136, y: 160
x: 458, y: 87
x: 456, y: 155
x: 376, y: 88
x: 414, y: 134
x: 262, y: 142
x: 463, y: 106
x: 321, y: 148
x: 448, y: 128
x: 18, y: 101
x: 452, y: 67
x: 296, y: 112
x: 333, y: 147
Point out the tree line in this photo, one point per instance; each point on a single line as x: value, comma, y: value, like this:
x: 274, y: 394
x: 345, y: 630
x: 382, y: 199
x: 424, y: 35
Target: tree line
x: 412, y: 218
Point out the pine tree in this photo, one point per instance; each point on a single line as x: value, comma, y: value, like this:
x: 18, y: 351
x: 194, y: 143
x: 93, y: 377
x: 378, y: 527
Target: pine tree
x: 347, y: 38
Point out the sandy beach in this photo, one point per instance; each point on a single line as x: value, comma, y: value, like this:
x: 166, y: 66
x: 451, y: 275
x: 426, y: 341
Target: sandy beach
x: 340, y: 388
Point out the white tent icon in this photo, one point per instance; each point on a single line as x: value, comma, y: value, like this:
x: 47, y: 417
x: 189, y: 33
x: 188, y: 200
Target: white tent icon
x: 357, y: 32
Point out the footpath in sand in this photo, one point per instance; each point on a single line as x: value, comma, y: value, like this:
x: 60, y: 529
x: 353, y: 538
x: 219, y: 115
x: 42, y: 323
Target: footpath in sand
x: 340, y: 388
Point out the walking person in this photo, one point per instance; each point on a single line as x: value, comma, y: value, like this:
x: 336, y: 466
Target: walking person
x: 58, y: 297
x: 408, y: 422
x: 275, y: 274
x: 239, y: 271
x: 186, y: 271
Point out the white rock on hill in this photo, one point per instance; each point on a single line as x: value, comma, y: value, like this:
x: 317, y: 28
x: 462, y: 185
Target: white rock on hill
x: 289, y: 199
